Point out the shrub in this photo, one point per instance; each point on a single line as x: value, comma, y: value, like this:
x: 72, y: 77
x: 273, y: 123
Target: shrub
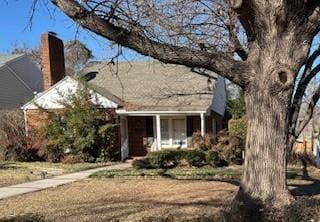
x: 200, y: 142
x: 237, y: 128
x: 230, y: 148
x: 196, y: 158
x: 214, y: 159
x: 71, y: 159
x: 13, y: 139
x: 141, y: 164
x: 80, y: 129
x: 164, y: 158
x: 54, y: 154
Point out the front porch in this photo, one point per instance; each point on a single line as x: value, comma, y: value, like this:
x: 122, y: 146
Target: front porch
x: 146, y: 132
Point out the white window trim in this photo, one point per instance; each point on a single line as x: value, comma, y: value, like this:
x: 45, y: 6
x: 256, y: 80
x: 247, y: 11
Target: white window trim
x: 171, y: 145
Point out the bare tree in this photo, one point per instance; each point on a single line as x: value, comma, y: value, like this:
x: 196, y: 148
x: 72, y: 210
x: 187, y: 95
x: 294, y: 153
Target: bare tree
x: 76, y: 56
x: 273, y: 40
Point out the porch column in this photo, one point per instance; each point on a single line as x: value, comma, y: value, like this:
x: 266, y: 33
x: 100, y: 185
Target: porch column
x: 158, y: 132
x: 124, y: 137
x: 203, y: 124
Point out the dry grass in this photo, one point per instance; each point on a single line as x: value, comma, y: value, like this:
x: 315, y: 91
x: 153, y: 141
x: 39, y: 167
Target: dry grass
x: 19, y: 172
x: 124, y: 200
x: 136, y: 199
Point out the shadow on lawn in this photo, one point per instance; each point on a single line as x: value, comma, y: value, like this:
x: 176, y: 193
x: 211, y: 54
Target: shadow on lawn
x: 24, y: 218
x: 147, y: 210
x: 311, y: 188
x: 233, y: 181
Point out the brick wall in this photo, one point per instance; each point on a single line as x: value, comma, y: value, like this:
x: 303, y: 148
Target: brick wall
x: 52, y: 59
x: 35, y: 119
x: 136, y: 134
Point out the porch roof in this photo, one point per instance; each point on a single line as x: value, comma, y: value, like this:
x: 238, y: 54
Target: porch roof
x: 154, y: 86
x: 159, y: 112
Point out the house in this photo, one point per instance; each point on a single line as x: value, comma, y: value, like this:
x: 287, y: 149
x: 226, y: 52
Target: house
x: 20, y: 79
x: 309, y: 139
x: 157, y: 106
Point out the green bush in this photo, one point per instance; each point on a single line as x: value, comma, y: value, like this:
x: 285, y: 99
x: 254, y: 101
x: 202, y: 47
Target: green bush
x: 196, y: 158
x: 213, y: 158
x: 171, y: 158
x: 238, y: 128
x: 236, y: 107
x: 164, y: 158
x: 80, y: 129
x: 141, y: 164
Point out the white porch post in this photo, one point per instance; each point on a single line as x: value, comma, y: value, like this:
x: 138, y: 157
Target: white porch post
x: 158, y: 132
x: 203, y: 124
x: 124, y: 137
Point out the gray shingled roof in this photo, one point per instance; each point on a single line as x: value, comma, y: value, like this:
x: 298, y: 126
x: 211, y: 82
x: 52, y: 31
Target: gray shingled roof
x: 153, y: 85
x: 6, y: 58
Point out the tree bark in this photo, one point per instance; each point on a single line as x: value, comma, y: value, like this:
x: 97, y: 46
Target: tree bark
x: 264, y: 177
x: 279, y: 35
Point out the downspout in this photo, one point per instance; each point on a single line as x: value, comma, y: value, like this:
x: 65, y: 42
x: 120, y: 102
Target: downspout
x: 25, y: 121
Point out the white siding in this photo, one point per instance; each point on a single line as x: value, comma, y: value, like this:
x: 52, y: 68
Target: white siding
x: 13, y: 93
x: 55, y: 96
x: 220, y: 98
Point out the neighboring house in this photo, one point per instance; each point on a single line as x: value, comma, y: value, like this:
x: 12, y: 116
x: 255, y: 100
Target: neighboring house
x: 309, y: 140
x: 157, y: 106
x: 20, y: 79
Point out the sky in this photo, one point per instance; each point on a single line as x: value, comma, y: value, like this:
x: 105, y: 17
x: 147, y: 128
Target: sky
x: 16, y: 29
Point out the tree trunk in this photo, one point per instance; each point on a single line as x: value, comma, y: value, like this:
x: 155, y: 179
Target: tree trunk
x: 264, y: 179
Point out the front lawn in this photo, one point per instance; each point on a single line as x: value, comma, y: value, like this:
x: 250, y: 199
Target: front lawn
x: 123, y: 200
x: 19, y: 172
x: 132, y: 200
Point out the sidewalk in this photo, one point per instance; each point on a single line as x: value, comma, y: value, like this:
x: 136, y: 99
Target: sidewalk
x: 15, y: 190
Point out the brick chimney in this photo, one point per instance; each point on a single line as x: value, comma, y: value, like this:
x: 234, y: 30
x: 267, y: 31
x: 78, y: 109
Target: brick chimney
x: 52, y: 59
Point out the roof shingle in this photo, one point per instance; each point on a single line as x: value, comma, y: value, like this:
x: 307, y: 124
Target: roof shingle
x: 153, y: 86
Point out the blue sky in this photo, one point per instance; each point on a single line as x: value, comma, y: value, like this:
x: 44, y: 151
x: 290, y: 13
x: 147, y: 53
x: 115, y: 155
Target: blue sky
x: 15, y: 29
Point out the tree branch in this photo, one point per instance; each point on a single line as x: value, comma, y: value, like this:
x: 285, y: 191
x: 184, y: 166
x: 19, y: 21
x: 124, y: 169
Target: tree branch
x: 246, y: 12
x: 238, y: 48
x: 309, y: 113
x: 313, y: 23
x: 306, y: 77
x: 215, y: 61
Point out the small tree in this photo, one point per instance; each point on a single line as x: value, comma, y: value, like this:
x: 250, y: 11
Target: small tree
x: 237, y: 107
x: 80, y: 129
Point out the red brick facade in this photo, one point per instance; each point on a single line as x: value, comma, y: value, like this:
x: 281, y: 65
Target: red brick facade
x: 52, y: 59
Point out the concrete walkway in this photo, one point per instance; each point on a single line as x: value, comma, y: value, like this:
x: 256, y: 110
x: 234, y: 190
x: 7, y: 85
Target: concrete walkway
x: 15, y: 190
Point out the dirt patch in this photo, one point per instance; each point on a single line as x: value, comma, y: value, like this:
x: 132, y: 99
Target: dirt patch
x: 123, y: 200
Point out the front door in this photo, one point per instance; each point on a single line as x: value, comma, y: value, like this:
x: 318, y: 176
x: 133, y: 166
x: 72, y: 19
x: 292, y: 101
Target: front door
x: 179, y: 132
